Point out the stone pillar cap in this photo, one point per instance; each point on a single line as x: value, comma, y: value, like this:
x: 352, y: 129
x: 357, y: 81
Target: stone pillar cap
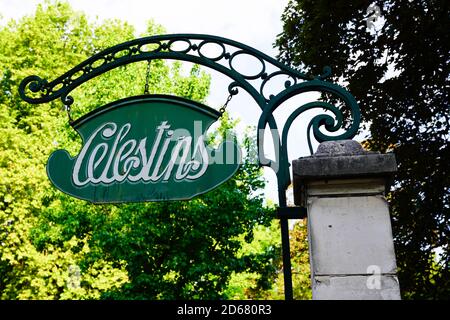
x: 340, y: 148
x: 343, y: 159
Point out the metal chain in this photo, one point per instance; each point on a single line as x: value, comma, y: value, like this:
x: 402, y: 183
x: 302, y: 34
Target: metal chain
x: 147, y: 78
x: 67, y: 108
x: 222, y: 110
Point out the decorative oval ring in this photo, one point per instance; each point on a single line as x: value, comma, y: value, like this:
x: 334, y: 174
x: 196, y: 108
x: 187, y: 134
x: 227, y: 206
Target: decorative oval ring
x: 126, y: 52
x: 158, y: 43
x: 248, y: 77
x: 204, y: 43
x: 97, y: 63
x: 76, y: 75
x: 171, y: 42
x: 57, y: 87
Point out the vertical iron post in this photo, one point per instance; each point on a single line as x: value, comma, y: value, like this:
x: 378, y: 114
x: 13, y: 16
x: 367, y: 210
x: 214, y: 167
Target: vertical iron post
x: 287, y: 272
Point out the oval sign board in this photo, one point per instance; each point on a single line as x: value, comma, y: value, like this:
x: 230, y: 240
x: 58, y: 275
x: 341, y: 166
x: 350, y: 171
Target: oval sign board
x: 144, y: 148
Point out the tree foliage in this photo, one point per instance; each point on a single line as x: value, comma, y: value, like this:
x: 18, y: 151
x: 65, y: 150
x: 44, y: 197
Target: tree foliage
x: 250, y: 285
x: 399, y: 73
x: 56, y: 247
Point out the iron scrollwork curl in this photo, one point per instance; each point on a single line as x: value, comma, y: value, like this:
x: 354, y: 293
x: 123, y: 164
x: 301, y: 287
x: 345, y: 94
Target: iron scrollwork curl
x: 329, y: 123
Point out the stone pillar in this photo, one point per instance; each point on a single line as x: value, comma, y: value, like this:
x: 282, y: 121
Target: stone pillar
x: 350, y: 236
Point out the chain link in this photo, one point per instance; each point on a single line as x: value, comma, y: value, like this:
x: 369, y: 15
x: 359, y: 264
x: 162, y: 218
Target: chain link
x: 222, y: 110
x: 69, y: 115
x: 147, y: 78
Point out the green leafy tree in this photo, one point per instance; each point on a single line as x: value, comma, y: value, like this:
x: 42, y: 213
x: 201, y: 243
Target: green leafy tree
x: 251, y: 285
x: 56, y: 247
x: 301, y: 275
x: 27, y: 135
x: 398, y: 69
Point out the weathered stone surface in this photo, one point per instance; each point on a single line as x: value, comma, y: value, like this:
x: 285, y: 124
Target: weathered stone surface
x: 341, y: 159
x: 350, y: 234
x: 346, y: 187
x: 339, y: 148
x: 339, y: 166
x: 355, y: 288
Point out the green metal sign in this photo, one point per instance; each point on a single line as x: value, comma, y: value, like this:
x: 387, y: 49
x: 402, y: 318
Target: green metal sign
x: 144, y: 148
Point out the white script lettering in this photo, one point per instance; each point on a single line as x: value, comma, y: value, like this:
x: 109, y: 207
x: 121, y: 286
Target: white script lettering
x: 115, y: 158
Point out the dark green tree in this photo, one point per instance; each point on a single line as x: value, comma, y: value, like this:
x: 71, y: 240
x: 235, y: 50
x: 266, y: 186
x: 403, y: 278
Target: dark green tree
x: 398, y: 70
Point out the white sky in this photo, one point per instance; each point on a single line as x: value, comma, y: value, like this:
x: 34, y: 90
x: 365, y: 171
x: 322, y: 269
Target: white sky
x: 252, y: 22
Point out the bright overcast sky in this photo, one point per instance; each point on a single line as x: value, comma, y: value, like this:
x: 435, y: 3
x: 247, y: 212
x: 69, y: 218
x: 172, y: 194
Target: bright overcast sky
x: 253, y: 22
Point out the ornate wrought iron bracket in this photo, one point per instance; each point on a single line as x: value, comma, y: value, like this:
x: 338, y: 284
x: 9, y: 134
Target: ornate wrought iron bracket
x: 34, y: 89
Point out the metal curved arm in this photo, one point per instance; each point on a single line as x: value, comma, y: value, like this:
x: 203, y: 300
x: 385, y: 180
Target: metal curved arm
x: 158, y: 47
x: 34, y: 89
x: 281, y: 164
